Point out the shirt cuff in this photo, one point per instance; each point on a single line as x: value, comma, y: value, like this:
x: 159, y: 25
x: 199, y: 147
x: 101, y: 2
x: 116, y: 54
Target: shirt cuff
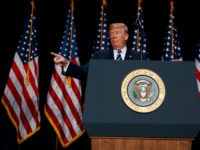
x: 64, y: 69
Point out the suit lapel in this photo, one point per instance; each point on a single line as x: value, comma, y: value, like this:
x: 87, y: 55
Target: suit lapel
x: 128, y: 55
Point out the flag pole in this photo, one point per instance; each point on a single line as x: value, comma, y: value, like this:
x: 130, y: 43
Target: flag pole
x: 19, y: 146
x: 29, y: 54
x: 30, y: 47
x: 69, y: 79
x: 137, y: 23
x: 138, y: 28
x: 172, y: 38
x: 56, y: 148
x: 102, y: 22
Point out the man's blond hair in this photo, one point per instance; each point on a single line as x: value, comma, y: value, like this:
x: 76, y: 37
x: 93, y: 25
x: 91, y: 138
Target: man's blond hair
x: 119, y: 25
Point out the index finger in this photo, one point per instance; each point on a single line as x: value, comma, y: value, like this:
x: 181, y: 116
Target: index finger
x: 54, y: 54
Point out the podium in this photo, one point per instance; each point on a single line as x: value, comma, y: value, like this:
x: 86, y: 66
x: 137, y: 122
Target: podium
x: 108, y: 119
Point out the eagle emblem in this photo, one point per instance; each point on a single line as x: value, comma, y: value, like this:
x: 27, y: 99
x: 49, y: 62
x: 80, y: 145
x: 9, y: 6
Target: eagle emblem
x: 142, y: 90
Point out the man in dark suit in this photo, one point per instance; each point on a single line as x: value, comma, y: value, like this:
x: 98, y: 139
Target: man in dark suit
x: 118, y: 33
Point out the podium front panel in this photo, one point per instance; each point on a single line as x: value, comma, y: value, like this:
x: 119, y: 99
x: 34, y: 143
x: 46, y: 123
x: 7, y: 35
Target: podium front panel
x: 106, y: 114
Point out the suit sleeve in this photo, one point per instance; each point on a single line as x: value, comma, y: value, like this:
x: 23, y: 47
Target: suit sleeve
x: 79, y: 72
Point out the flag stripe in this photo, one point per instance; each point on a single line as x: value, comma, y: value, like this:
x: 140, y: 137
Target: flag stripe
x: 197, y: 71
x: 59, y: 104
x: 16, y: 100
x: 63, y: 123
x: 11, y: 107
x: 23, y: 100
x: 55, y: 123
x: 27, y: 91
x: 69, y: 98
x: 21, y: 96
x: 32, y: 76
x: 64, y: 99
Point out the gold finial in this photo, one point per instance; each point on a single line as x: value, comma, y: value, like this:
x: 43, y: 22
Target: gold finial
x: 33, y: 4
x: 72, y: 6
x: 104, y: 2
x: 172, y: 5
x: 139, y: 2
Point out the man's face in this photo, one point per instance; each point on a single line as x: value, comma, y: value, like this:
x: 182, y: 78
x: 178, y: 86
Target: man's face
x: 118, y: 37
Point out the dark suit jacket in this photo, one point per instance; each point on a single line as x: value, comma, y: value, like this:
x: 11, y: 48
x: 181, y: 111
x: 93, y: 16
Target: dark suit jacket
x: 80, y: 72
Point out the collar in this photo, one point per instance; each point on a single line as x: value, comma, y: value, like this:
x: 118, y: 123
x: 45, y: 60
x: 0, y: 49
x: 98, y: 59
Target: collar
x: 123, y: 50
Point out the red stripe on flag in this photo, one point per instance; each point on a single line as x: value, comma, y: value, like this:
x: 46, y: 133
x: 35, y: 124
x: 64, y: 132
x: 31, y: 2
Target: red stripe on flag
x: 66, y: 120
x: 55, y: 122
x: 26, y: 94
x: 18, y: 100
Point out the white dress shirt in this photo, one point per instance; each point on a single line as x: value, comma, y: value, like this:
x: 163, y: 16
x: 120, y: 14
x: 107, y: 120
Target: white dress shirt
x: 123, y: 53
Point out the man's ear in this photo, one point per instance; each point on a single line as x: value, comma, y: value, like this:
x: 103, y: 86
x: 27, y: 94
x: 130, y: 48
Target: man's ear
x: 126, y: 36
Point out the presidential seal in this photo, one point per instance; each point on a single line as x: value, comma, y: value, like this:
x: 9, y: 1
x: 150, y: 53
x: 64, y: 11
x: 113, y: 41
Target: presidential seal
x: 143, y: 90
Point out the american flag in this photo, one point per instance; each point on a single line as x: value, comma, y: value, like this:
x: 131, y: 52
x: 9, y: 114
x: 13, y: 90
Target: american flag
x: 172, y: 49
x: 102, y: 39
x: 64, y: 99
x: 197, y: 67
x: 21, y: 96
x: 139, y: 37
